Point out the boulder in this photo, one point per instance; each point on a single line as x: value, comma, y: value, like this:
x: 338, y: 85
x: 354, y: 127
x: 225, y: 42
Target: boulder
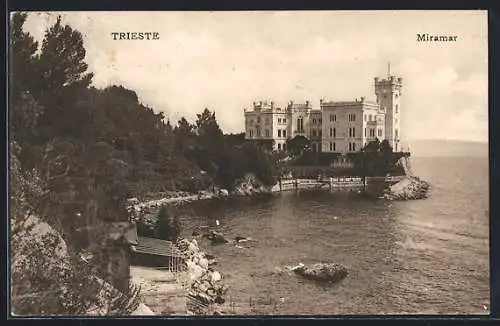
x: 240, y: 239
x: 195, y: 271
x: 325, y: 272
x: 203, y: 263
x: 217, y: 237
x: 215, y: 276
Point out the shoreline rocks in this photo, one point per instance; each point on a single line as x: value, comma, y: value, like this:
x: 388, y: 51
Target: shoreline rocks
x: 411, y: 188
x: 249, y: 185
x: 205, y: 287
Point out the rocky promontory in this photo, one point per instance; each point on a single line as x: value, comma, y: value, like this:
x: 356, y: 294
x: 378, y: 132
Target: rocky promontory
x: 249, y: 185
x: 409, y: 188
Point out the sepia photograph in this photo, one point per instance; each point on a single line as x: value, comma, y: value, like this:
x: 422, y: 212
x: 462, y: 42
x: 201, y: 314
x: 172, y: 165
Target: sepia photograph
x: 248, y: 163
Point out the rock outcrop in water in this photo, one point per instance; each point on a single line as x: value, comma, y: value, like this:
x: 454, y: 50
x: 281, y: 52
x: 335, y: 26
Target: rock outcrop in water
x: 216, y: 237
x: 324, y: 272
x: 408, y: 189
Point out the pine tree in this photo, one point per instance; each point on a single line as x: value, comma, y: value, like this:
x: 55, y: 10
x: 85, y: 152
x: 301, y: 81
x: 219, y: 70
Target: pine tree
x: 163, y: 224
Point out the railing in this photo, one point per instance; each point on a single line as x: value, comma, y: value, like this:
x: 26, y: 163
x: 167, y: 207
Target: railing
x: 236, y: 306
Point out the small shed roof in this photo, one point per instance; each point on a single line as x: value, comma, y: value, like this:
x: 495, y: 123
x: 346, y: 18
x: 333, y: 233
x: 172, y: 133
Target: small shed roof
x: 157, y: 247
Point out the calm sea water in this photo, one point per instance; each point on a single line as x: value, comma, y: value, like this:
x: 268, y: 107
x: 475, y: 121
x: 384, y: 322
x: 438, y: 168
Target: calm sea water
x: 419, y: 257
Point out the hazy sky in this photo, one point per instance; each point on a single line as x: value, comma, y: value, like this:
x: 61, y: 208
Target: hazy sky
x: 227, y: 60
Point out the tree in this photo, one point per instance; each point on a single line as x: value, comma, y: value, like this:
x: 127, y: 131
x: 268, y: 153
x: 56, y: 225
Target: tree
x: 184, y: 135
x: 208, y: 131
x: 167, y: 228
x: 25, y: 110
x: 297, y: 145
x: 61, y: 76
x: 62, y: 59
x: 176, y: 228
x: 23, y: 58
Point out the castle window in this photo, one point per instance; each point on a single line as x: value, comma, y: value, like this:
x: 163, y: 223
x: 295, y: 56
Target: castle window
x: 397, y: 107
x: 334, y: 133
x: 331, y: 132
x: 267, y: 132
x: 279, y: 120
x: 370, y: 118
x: 365, y: 129
x: 314, y: 132
x: 333, y: 117
x: 379, y: 132
x: 352, y: 132
x: 320, y: 120
x: 331, y: 147
x: 320, y: 132
x: 314, y: 120
x: 284, y: 146
x: 396, y: 133
x: 258, y: 132
x: 353, y: 147
x: 284, y: 120
x: 251, y: 133
x: 284, y: 133
x: 258, y: 119
x: 300, y: 125
x: 372, y: 132
x: 279, y: 147
x: 350, y: 147
x: 334, y: 147
x: 352, y: 117
x: 279, y: 132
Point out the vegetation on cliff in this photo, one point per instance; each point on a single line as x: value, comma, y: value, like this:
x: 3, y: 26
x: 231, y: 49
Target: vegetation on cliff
x: 79, y: 152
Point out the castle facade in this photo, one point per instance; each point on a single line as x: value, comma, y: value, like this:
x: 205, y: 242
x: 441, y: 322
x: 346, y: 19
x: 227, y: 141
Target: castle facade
x: 337, y: 127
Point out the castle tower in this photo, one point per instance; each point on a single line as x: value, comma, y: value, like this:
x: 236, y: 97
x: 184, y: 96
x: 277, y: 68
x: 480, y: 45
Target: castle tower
x: 388, y: 92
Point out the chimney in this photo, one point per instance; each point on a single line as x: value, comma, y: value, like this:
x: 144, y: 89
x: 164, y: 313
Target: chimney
x: 362, y: 98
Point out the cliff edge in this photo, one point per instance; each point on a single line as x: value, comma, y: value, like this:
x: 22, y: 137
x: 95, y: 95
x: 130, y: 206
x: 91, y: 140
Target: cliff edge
x: 410, y: 188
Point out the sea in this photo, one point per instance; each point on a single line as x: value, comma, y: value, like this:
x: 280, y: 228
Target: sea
x: 428, y: 256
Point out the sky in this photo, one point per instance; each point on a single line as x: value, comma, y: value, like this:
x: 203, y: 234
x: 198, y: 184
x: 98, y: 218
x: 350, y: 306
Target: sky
x: 224, y: 61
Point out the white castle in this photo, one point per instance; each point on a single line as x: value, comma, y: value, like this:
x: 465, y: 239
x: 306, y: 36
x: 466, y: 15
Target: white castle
x: 337, y: 127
